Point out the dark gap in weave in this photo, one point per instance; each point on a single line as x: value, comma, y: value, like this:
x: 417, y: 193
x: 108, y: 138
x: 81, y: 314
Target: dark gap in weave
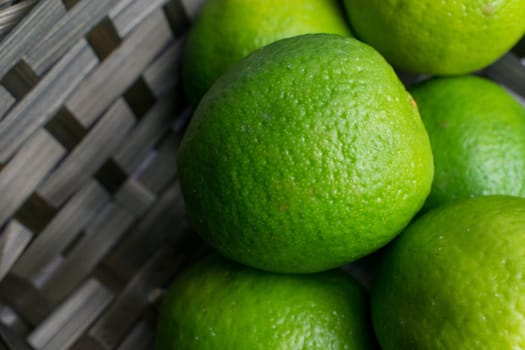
x: 23, y: 297
x: 11, y: 339
x: 183, y: 113
x: 111, y: 176
x: 104, y: 39
x: 69, y: 4
x: 66, y: 129
x: 20, y: 80
x: 69, y: 248
x: 35, y: 213
x: 139, y: 98
x: 109, y: 278
x: 519, y: 48
x: 86, y: 342
x: 15, y: 322
x: 177, y: 17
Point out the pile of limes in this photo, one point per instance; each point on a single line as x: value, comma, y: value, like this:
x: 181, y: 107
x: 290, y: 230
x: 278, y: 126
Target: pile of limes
x: 306, y: 152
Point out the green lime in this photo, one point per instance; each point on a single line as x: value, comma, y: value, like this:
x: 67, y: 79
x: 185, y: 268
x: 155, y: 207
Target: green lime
x: 477, y: 133
x: 439, y: 37
x: 454, y: 279
x: 306, y: 155
x: 227, y: 30
x: 218, y: 304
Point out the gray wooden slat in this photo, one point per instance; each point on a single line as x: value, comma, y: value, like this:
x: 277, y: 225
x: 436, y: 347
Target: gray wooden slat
x: 72, y: 318
x: 510, y: 71
x: 30, y: 31
x: 119, y: 7
x: 192, y: 7
x: 145, y: 135
x: 134, y: 197
x: 89, y: 155
x: 45, y: 99
x: 12, y: 339
x: 140, y: 338
x: 6, y: 101
x: 62, y: 230
x: 25, y: 172
x: 167, y: 65
x: 126, y: 18
x: 112, y: 224
x: 10, y: 318
x: 67, y: 31
x: 120, y: 69
x: 519, y: 98
x: 163, y: 168
x: 111, y: 328
x: 11, y: 16
x: 12, y: 243
x: 164, y: 219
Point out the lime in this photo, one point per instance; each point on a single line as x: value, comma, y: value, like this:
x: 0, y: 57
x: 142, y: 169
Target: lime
x: 227, y: 30
x: 306, y: 155
x: 439, y: 37
x: 477, y: 133
x: 218, y: 304
x: 454, y: 279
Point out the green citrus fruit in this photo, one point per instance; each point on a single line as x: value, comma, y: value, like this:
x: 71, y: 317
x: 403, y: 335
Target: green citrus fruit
x: 477, y: 133
x: 306, y: 155
x: 454, y: 279
x: 439, y: 37
x: 218, y: 304
x: 227, y: 30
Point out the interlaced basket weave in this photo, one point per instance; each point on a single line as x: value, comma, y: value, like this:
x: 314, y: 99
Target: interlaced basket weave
x: 91, y: 215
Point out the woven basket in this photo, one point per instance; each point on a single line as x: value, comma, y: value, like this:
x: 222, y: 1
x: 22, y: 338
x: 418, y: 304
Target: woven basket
x: 91, y: 214
x: 92, y: 218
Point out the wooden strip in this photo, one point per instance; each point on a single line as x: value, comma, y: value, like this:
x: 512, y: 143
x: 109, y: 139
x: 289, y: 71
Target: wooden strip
x: 509, y: 71
x: 163, y: 168
x: 6, y: 101
x: 88, y: 252
x: 61, y: 231
x: 120, y: 69
x: 67, y: 31
x: 126, y: 18
x: 140, y: 338
x: 13, y: 241
x: 27, y: 301
x: 167, y: 65
x: 12, y: 339
x: 11, y: 319
x: 165, y: 219
x: 89, y: 155
x: 519, y: 98
x: 192, y: 7
x: 45, y: 99
x: 147, y: 133
x: 31, y: 30
x: 135, y: 197
x: 25, y: 172
x: 177, y: 17
x: 112, y: 327
x: 70, y: 320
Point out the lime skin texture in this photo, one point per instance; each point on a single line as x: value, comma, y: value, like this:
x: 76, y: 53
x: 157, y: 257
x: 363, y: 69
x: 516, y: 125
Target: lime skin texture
x: 218, y: 304
x: 454, y: 279
x: 306, y: 155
